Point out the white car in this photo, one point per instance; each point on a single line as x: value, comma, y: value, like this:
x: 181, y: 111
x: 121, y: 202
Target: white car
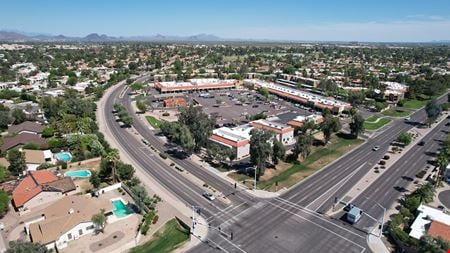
x: 376, y: 148
x: 209, y: 196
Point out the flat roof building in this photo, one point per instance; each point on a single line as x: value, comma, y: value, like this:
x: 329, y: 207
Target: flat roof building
x: 430, y: 221
x: 235, y: 138
x: 196, y: 85
x: 282, y: 132
x: 300, y: 120
x: 312, y: 100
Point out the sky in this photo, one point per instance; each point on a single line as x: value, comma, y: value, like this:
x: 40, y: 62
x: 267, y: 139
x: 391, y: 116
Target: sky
x: 316, y: 20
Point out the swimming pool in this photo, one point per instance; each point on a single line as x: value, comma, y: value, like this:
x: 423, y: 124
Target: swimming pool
x: 64, y: 156
x: 78, y: 173
x: 120, y: 209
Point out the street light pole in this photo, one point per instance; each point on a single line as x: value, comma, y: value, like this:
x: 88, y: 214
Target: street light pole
x: 382, y: 218
x: 254, y: 186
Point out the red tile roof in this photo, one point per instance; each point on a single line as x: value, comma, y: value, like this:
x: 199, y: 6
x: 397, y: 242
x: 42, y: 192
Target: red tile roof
x: 439, y: 229
x: 31, y: 186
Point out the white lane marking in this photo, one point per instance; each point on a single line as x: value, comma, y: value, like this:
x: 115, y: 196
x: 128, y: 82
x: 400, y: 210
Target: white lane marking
x: 336, y: 187
x: 305, y: 210
x: 224, y: 212
x: 318, y: 225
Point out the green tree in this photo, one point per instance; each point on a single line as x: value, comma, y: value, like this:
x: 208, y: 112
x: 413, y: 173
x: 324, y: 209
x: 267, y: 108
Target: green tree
x: 264, y: 92
x: 425, y: 192
x: 136, y: 86
x: 433, y: 110
x: 141, y: 195
x: 125, y: 171
x: 184, y: 138
x: 127, y: 120
x: 278, y: 151
x: 16, y: 161
x: 72, y: 80
x: 20, y: 246
x: 113, y: 157
x: 99, y: 220
x: 18, y: 115
x: 412, y: 203
x: 404, y: 138
x: 4, y: 203
x: 48, y: 132
x: 141, y: 106
x: 5, y: 119
x: 329, y: 126
x: 303, y: 145
x: 260, y: 150
x: 428, y: 244
x: 199, y: 123
x: 357, y: 124
x: 94, y: 179
x: 31, y: 145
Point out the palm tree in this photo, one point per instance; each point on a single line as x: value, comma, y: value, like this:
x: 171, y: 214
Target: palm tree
x: 426, y: 192
x: 113, y: 157
x: 442, y: 161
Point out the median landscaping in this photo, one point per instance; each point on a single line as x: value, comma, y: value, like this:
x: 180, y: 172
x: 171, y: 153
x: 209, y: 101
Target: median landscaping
x: 155, y: 123
x: 375, y: 122
x: 414, y: 103
x: 395, y: 112
x: 287, y: 174
x: 166, y: 239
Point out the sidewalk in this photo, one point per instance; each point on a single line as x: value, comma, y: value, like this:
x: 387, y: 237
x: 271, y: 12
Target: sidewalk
x: 376, y: 244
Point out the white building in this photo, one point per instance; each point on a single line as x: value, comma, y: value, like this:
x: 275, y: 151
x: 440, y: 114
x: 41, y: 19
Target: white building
x: 429, y: 221
x: 237, y: 138
x: 282, y: 132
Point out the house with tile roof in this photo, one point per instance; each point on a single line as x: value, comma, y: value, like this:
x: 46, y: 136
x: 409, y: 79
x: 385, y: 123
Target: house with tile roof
x: 67, y: 219
x: 40, y: 187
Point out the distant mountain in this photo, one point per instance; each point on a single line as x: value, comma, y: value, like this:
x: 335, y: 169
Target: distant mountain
x: 9, y: 35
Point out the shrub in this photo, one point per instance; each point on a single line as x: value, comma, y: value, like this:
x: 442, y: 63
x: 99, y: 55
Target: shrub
x: 163, y: 155
x: 386, y: 157
x: 382, y: 162
x: 166, y: 114
x: 155, y: 219
x: 421, y: 174
x: 63, y: 165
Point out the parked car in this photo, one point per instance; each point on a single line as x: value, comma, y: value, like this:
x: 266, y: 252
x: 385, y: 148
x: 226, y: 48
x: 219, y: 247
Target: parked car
x: 209, y: 196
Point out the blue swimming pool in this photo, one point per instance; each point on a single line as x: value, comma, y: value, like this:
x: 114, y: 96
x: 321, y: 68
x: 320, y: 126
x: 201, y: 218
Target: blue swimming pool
x: 64, y: 156
x: 78, y: 173
x: 120, y: 209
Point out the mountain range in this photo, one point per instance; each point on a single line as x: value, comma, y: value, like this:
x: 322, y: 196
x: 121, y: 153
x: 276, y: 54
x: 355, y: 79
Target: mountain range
x: 11, y: 36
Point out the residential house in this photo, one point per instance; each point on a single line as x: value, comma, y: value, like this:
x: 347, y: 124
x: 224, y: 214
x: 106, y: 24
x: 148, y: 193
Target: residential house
x: 66, y: 220
x: 40, y: 187
x: 21, y: 139
x: 26, y: 127
x: 34, y: 158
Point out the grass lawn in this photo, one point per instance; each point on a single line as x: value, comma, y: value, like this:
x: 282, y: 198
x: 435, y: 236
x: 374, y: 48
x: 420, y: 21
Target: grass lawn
x: 414, y: 103
x: 319, y: 158
x: 166, y: 239
x: 375, y: 122
x: 155, y: 123
x: 396, y: 112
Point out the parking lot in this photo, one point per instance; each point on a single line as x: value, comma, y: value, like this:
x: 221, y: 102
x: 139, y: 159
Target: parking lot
x: 234, y: 106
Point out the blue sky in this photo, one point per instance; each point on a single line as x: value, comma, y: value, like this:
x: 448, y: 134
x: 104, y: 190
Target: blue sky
x: 363, y: 20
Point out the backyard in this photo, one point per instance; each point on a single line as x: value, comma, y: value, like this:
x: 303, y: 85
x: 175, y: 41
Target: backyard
x: 166, y: 239
x: 155, y: 123
x: 290, y: 174
x: 375, y: 122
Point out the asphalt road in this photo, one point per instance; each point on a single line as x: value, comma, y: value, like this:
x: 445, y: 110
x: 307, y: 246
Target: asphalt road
x: 291, y: 222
